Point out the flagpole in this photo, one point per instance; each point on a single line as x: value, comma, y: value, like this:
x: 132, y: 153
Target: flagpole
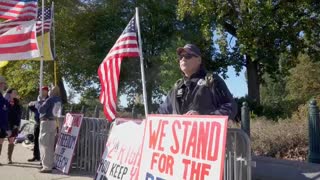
x: 54, y: 44
x: 142, y: 65
x: 42, y: 49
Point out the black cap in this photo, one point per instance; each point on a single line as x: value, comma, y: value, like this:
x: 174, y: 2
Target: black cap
x: 189, y: 48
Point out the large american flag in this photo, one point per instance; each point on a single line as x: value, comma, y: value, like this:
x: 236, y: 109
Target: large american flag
x: 18, y: 40
x: 18, y: 9
x: 47, y: 20
x: 109, y: 69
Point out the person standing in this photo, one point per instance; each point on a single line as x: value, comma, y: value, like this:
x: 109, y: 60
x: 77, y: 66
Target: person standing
x: 32, y: 106
x: 14, y: 119
x: 198, y: 92
x: 4, y: 109
x: 48, y: 113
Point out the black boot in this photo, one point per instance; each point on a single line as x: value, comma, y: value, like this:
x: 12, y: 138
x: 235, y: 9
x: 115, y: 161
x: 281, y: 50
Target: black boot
x: 10, y: 151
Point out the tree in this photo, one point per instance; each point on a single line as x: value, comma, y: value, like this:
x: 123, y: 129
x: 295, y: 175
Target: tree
x: 263, y: 32
x: 24, y: 76
x: 303, y: 82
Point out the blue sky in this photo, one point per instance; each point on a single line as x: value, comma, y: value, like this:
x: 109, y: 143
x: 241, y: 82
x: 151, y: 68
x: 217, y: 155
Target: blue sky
x: 237, y: 84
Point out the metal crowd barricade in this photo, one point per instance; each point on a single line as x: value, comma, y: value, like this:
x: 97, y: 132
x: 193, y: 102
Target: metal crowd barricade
x: 91, y: 142
x: 94, y: 133
x: 238, y: 156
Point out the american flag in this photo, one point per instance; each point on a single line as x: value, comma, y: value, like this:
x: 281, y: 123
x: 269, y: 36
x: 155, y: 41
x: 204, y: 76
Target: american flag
x: 47, y: 20
x: 18, y: 40
x: 109, y: 69
x: 18, y: 9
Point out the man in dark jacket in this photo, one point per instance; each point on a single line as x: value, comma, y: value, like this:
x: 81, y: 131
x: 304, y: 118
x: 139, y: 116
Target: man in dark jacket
x: 198, y: 92
x: 4, y: 110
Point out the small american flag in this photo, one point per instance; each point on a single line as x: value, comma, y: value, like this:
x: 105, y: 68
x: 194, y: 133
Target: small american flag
x: 18, y: 9
x: 47, y: 20
x: 18, y: 40
x: 109, y: 69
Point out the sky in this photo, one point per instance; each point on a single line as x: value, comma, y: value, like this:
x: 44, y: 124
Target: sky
x: 237, y: 84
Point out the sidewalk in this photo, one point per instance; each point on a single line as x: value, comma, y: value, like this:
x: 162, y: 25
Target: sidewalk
x: 21, y: 169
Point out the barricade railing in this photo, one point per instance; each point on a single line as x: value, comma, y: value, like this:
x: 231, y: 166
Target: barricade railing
x: 238, y: 162
x: 91, y: 142
x: 94, y: 133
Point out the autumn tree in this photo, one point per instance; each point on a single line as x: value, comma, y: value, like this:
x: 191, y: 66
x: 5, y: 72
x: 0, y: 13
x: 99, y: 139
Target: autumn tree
x: 263, y: 31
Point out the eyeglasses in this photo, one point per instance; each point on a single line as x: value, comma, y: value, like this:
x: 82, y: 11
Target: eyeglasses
x: 186, y: 56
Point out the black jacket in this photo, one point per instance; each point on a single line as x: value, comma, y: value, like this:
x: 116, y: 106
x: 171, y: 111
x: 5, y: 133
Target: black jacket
x: 206, y: 94
x: 14, y: 114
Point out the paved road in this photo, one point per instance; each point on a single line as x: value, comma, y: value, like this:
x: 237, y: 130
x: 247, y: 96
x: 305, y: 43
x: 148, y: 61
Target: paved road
x: 23, y: 170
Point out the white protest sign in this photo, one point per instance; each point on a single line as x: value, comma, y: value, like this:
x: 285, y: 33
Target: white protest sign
x: 122, y: 155
x: 67, y: 142
x: 183, y: 147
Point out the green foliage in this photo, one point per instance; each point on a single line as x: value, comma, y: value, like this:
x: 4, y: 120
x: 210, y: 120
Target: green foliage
x: 24, y: 76
x: 304, y: 80
x: 272, y: 33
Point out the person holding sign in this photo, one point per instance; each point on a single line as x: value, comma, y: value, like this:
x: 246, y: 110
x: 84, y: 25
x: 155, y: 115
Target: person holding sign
x: 48, y: 110
x: 198, y: 92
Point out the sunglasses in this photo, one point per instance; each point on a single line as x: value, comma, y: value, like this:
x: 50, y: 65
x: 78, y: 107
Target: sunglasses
x: 186, y: 56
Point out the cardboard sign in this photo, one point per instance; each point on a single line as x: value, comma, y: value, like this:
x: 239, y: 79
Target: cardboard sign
x: 184, y: 147
x: 67, y: 142
x: 122, y: 155
x: 166, y: 147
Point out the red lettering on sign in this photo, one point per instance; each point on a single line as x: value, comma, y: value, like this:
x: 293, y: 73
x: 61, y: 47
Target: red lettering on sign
x: 186, y: 125
x: 214, y: 141
x: 192, y: 143
x: 175, y: 149
x: 76, y: 121
x: 163, y: 134
x: 198, y: 170
x: 121, y: 154
x: 157, y: 136
x: 154, y: 135
x: 165, y: 163
x: 203, y: 140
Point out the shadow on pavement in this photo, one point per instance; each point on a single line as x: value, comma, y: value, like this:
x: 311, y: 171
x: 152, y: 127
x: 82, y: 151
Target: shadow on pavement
x: 23, y: 165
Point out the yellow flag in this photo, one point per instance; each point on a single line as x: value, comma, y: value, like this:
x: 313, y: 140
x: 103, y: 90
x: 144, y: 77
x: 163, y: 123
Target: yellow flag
x: 47, y: 53
x: 3, y: 63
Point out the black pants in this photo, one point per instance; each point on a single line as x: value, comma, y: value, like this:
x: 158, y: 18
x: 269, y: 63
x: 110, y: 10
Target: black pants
x: 36, y: 151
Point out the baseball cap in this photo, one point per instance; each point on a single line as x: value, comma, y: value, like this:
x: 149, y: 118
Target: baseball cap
x: 46, y: 88
x: 189, y: 48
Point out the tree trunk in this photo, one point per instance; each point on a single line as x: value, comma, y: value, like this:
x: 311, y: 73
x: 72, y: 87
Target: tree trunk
x: 253, y: 81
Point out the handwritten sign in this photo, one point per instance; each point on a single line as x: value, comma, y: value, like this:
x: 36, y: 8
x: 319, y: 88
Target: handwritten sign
x: 183, y: 147
x: 166, y: 147
x: 67, y: 141
x: 122, y: 155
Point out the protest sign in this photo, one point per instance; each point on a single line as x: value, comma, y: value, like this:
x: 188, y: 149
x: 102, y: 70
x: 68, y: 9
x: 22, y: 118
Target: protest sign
x: 183, y: 147
x: 121, y: 158
x: 67, y: 142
